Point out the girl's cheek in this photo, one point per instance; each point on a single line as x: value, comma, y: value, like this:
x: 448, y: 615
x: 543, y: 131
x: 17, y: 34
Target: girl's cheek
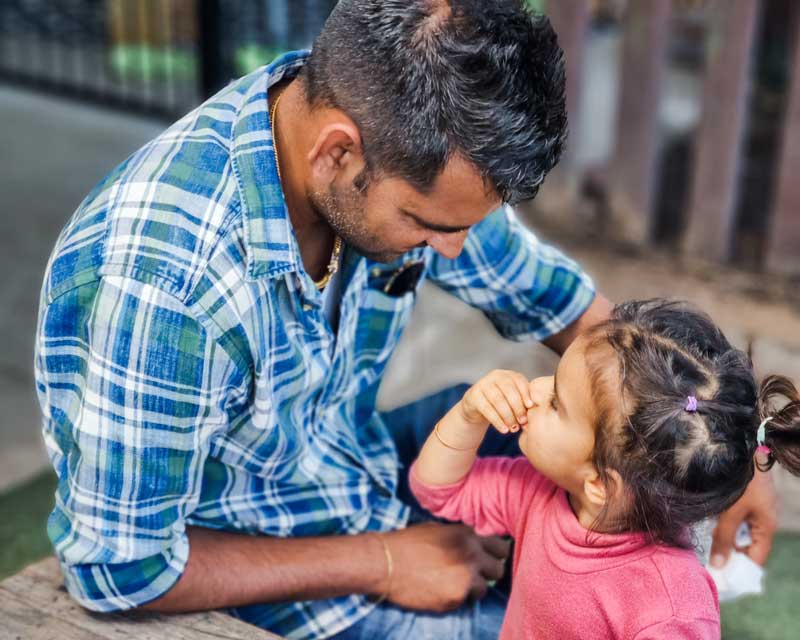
x: 533, y: 420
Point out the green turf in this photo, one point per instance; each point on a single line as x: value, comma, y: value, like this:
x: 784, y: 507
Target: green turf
x: 772, y: 616
x: 23, y: 513
x: 23, y: 517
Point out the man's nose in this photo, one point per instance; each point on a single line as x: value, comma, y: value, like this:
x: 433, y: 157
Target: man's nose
x: 448, y: 245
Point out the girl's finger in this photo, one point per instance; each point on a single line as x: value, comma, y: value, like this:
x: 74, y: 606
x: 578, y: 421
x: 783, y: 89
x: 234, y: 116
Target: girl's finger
x: 501, y: 403
x: 515, y: 396
x: 524, y: 390
x: 490, y: 412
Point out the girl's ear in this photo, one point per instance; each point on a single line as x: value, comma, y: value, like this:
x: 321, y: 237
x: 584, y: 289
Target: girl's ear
x: 596, y: 490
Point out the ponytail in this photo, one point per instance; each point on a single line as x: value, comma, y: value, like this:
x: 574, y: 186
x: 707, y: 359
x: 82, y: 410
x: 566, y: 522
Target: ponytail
x: 782, y: 431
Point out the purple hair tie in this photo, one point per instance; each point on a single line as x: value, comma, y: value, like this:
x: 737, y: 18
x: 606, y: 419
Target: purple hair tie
x: 691, y: 404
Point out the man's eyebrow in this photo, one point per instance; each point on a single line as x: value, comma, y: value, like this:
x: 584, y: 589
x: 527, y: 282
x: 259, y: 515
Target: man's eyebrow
x: 441, y: 228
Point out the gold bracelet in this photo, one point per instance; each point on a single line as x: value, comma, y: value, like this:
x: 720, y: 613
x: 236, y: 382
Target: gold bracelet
x: 389, y: 569
x: 450, y: 446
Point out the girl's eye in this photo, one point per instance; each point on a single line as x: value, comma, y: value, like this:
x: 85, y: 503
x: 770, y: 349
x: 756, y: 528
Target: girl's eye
x: 553, y: 404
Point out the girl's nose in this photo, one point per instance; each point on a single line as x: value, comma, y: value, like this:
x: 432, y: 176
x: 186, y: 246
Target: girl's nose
x: 541, y: 389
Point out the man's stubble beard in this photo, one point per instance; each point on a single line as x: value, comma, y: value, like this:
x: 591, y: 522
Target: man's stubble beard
x: 344, y: 212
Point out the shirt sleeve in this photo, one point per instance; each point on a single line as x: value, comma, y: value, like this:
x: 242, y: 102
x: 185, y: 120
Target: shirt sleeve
x: 527, y: 289
x: 682, y: 629
x: 132, y: 389
x: 493, y: 497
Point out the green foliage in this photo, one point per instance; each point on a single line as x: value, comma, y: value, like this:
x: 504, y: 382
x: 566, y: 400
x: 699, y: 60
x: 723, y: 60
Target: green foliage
x: 250, y: 57
x: 539, y: 6
x: 154, y: 64
x: 144, y: 62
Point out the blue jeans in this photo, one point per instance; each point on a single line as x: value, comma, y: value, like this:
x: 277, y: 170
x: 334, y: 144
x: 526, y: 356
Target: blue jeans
x: 480, y: 620
x: 410, y: 426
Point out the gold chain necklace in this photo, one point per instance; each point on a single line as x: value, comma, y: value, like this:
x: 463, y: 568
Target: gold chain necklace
x: 333, y: 264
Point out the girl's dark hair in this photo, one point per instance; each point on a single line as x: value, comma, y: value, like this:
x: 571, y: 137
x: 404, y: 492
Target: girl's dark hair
x: 425, y: 80
x: 677, y: 466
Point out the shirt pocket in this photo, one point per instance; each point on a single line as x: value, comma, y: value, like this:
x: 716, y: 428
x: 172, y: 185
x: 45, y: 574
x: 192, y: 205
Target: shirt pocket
x: 384, y: 309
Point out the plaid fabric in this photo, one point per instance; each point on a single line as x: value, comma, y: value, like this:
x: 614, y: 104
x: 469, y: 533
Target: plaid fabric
x: 188, y: 376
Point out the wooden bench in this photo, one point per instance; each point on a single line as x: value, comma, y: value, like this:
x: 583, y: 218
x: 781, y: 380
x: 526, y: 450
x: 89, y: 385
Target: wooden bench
x: 35, y: 604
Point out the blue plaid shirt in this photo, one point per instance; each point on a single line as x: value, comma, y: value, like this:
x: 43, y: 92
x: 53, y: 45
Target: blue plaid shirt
x: 188, y: 375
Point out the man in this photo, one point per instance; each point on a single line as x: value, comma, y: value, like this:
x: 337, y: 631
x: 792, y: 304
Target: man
x: 217, y: 316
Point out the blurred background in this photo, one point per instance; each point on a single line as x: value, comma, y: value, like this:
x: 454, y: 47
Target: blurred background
x: 679, y: 180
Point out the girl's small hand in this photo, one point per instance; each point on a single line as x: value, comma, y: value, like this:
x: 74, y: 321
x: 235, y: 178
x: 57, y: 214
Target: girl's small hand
x: 502, y: 399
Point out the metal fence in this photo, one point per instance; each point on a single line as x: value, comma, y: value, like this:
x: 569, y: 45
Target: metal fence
x: 160, y: 57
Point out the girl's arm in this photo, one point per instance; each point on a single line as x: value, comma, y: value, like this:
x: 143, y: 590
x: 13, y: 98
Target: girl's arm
x: 502, y: 399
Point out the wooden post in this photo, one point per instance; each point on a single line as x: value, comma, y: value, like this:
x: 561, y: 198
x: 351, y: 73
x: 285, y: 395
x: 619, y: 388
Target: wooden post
x: 558, y: 198
x: 570, y: 19
x: 711, y: 213
x: 783, y: 243
x: 633, y: 171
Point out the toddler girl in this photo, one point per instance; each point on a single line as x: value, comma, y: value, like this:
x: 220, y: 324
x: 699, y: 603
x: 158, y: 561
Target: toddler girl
x: 651, y: 424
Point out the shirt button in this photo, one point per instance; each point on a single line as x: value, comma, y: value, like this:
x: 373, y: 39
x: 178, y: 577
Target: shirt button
x: 376, y: 271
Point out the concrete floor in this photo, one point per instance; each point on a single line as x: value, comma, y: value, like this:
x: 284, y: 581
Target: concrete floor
x: 53, y: 151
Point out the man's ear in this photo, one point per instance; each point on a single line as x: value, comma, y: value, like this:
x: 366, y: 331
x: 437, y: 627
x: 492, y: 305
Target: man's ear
x: 336, y: 151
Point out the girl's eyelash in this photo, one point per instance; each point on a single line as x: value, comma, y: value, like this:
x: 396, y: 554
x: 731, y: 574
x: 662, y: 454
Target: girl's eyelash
x: 553, y: 402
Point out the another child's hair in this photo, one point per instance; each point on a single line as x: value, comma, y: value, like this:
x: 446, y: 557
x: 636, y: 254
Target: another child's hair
x: 679, y: 466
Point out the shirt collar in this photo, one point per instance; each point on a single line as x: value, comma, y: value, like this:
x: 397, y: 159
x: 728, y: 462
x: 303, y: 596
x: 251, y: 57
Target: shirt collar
x: 576, y: 550
x: 270, y: 243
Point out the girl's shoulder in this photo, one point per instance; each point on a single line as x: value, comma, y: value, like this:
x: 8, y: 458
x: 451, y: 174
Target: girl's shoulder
x: 689, y: 586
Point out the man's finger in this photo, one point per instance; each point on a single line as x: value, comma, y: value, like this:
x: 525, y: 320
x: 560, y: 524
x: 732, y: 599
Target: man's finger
x: 724, y: 537
x: 762, y: 531
x: 492, y: 569
x: 478, y: 589
x: 759, y: 550
x: 496, y: 546
x: 757, y: 507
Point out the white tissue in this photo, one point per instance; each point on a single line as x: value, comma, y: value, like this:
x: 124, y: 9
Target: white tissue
x: 740, y: 575
x: 743, y: 538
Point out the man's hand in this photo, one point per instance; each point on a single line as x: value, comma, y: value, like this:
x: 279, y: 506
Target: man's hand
x: 759, y: 508
x: 438, y: 566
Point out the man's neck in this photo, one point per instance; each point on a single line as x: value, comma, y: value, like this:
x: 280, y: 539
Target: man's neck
x: 314, y: 237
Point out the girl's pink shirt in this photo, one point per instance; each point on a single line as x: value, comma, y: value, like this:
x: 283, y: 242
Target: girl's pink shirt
x: 565, y: 586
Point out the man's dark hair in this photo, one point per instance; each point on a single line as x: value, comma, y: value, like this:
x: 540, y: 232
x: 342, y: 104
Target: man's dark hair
x: 425, y: 80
